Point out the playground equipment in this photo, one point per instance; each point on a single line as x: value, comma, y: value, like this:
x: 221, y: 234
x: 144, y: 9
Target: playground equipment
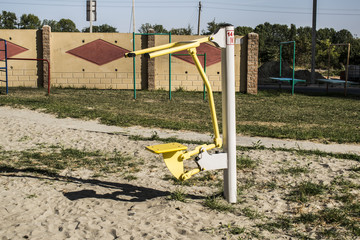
x: 293, y: 81
x: 134, y: 60
x: 170, y: 68
x: 204, y: 55
x: 338, y: 81
x: 175, y: 154
x: 3, y: 66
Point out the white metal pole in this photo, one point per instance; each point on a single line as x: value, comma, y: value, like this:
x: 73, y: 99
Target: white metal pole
x: 133, y: 14
x: 229, y: 118
x: 91, y: 16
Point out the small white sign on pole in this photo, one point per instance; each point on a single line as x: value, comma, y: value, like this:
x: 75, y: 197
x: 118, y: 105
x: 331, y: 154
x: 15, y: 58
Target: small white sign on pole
x: 230, y: 38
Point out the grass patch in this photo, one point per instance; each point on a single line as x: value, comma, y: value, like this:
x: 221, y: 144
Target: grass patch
x: 218, y: 204
x: 302, y: 152
x: 303, y: 191
x: 283, y: 223
x: 355, y: 169
x: 178, y: 195
x: 245, y: 162
x: 331, y: 218
x: 295, y: 171
x: 50, y: 161
x: 269, y: 114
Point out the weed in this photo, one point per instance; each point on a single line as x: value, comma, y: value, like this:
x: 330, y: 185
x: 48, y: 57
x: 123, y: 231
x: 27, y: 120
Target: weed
x: 283, y: 223
x: 258, y: 145
x: 154, y: 136
x: 355, y: 169
x: 31, y: 196
x: 180, y: 89
x: 130, y: 177
x: 271, y: 185
x: 237, y: 230
x: 295, y: 171
x: 245, y: 162
x: 250, y: 213
x: 24, y: 139
x: 215, y: 203
x: 178, y: 195
x: 304, y: 190
x: 234, y: 230
x: 246, y: 184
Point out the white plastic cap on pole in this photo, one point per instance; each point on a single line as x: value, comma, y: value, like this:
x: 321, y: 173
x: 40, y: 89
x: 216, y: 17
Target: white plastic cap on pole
x: 225, y: 39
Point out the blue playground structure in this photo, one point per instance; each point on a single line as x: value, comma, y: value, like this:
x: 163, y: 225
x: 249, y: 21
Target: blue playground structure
x: 291, y: 80
x: 3, y: 63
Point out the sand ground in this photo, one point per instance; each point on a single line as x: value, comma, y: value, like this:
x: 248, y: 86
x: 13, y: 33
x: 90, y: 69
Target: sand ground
x: 80, y: 204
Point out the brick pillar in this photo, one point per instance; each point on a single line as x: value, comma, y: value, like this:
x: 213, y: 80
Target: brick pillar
x: 46, y: 32
x: 252, y: 63
x: 151, y: 62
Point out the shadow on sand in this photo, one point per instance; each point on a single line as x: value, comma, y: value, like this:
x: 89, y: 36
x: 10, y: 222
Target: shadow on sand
x: 122, y: 191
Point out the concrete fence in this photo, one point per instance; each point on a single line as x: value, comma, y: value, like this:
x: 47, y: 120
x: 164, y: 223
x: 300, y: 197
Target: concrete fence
x: 96, y: 60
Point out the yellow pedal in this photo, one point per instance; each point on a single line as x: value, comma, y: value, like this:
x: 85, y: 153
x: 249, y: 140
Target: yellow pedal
x: 167, y: 147
x: 172, y: 156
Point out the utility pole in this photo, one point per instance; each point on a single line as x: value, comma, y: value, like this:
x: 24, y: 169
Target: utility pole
x: 198, y: 33
x: 91, y: 12
x: 313, y: 44
x: 91, y: 16
x: 133, y: 14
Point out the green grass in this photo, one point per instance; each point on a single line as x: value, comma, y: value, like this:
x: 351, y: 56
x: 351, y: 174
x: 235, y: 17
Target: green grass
x: 270, y: 113
x: 346, y: 217
x: 178, y: 195
x: 302, y: 152
x: 245, y: 162
x: 305, y: 190
x: 218, y: 204
x: 50, y: 161
x: 295, y: 171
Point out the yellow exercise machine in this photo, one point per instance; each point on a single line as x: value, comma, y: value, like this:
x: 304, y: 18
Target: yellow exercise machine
x: 175, y: 154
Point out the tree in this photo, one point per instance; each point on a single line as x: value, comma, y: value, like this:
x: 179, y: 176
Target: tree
x: 52, y: 23
x: 101, y: 28
x: 29, y: 21
x: 326, y: 33
x: 270, y: 37
x: 182, y: 31
x: 8, y: 20
x: 343, y: 36
x: 323, y: 51
x: 66, y: 25
x: 157, y: 28
x: 212, y: 27
x: 243, y: 31
x: 303, y: 46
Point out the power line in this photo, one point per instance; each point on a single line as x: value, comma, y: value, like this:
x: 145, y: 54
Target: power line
x: 278, y: 7
x: 144, y: 5
x: 285, y: 12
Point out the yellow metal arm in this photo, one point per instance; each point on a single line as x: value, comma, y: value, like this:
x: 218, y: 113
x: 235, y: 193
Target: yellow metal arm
x: 217, y: 139
x: 168, y: 48
x: 189, y: 154
x: 174, y: 153
x: 152, y: 49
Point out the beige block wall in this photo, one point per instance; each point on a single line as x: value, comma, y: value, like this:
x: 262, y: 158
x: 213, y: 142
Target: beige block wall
x: 185, y: 75
x: 71, y: 71
x: 22, y: 73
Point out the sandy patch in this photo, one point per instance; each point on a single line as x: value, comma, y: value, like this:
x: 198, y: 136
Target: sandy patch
x: 76, y: 205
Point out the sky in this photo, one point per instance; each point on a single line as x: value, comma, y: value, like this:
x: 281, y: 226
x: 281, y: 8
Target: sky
x: 335, y: 14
